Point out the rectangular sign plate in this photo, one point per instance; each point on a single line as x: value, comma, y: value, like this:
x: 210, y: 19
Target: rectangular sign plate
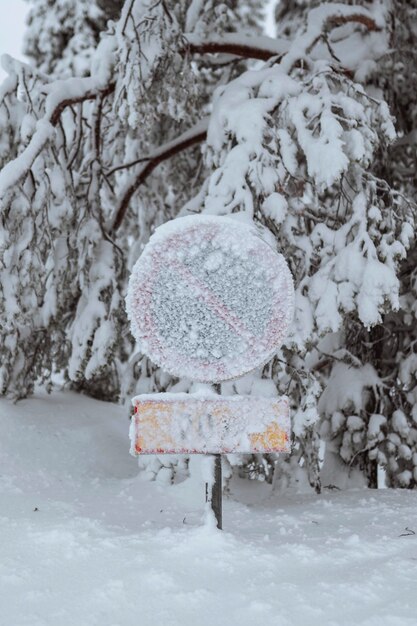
x: 180, y: 423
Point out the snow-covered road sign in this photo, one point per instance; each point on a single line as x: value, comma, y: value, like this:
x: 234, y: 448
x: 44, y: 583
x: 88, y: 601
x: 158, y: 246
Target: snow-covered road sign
x: 177, y: 423
x: 209, y: 299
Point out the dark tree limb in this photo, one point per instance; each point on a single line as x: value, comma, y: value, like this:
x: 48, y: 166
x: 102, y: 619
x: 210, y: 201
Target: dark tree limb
x: 339, y: 20
x: 261, y: 48
x: 88, y: 95
x: 190, y: 138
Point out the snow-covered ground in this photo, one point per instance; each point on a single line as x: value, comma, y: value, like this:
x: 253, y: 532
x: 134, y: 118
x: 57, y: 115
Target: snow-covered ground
x: 86, y: 541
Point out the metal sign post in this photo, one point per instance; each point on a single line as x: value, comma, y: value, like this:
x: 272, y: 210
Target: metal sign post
x: 215, y: 497
x: 209, y: 300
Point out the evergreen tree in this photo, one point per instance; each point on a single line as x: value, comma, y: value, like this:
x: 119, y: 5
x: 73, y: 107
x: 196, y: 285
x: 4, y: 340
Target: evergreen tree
x: 102, y: 141
x: 372, y: 420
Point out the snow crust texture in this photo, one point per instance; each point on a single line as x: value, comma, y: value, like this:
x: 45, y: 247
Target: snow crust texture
x: 209, y: 299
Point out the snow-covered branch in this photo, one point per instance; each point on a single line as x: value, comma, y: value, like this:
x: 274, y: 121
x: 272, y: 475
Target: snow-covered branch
x: 263, y: 48
x: 75, y: 90
x: 364, y: 18
x: 300, y: 141
x: 190, y: 138
x: 89, y: 94
x: 322, y: 20
x: 61, y: 95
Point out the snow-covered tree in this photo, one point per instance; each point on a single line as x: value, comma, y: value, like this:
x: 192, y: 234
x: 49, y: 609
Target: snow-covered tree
x: 183, y: 107
x: 368, y: 404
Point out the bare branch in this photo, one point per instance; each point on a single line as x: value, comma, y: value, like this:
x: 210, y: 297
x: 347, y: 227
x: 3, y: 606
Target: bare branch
x: 125, y: 166
x: 78, y: 135
x: 88, y: 95
x: 261, y: 48
x: 338, y: 20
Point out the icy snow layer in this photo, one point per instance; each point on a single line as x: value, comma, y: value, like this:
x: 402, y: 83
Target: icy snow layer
x: 85, y: 542
x: 209, y: 299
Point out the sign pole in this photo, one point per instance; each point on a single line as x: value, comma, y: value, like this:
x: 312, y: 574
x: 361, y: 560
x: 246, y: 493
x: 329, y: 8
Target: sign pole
x: 215, y: 498
x: 216, y: 494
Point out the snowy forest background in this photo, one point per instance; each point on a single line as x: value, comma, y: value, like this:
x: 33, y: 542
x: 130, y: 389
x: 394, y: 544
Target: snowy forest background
x: 133, y: 113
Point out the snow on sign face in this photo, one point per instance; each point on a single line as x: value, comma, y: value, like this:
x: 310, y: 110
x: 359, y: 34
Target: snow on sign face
x: 209, y: 299
x: 178, y: 423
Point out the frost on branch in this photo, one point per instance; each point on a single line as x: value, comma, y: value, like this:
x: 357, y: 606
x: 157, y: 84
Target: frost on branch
x: 49, y: 196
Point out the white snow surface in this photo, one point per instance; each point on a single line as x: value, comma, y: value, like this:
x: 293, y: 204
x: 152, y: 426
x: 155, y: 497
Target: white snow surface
x: 86, y: 542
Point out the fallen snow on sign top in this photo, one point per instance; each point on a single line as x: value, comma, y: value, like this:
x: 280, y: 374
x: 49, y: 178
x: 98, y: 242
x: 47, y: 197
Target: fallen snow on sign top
x: 209, y: 298
x: 180, y: 423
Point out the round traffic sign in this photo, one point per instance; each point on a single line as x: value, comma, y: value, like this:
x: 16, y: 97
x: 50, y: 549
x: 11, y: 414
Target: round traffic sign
x: 209, y: 299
